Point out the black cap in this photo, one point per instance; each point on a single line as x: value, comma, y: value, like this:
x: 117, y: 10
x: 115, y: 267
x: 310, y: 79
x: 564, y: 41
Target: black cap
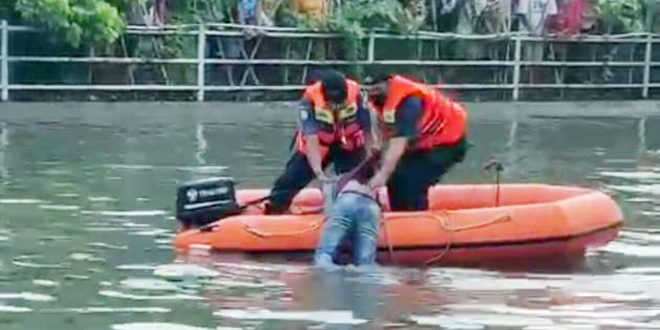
x: 378, y: 78
x: 333, y: 85
x: 314, y: 76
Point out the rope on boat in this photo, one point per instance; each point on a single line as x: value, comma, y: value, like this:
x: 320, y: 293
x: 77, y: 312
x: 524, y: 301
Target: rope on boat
x: 296, y: 210
x: 445, y: 225
x: 256, y: 232
x: 443, y: 219
x: 390, y: 247
x: 300, y: 210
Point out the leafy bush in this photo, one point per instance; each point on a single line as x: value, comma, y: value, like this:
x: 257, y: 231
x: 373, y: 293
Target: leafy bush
x: 7, y: 9
x: 622, y: 16
x: 77, y: 22
x: 197, y: 11
x: 354, y: 19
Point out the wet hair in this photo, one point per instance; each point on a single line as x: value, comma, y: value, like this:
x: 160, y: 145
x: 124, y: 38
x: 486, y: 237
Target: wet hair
x: 368, y: 170
x: 333, y: 85
x: 364, y: 172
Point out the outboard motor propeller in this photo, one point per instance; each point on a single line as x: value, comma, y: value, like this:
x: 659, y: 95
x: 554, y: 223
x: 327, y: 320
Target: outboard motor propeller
x: 201, y: 202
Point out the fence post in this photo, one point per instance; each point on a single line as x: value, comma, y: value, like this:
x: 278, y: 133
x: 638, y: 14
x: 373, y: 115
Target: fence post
x: 201, y: 65
x: 647, y: 65
x: 516, y: 67
x: 4, y: 61
x: 372, y: 46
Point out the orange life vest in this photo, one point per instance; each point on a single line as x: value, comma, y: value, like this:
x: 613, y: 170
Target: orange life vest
x: 443, y: 122
x: 339, y: 126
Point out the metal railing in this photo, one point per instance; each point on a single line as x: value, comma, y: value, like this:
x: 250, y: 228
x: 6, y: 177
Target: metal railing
x: 202, y: 32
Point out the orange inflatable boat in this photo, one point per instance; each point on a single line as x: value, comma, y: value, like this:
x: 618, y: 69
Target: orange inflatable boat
x: 466, y: 224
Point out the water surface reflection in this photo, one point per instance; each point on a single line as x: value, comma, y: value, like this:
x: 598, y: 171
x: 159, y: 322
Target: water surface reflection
x: 86, y: 201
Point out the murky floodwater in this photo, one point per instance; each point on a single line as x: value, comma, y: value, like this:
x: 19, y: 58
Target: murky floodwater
x: 86, y: 200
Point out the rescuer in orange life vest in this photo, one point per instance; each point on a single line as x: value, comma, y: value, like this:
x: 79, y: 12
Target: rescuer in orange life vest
x: 334, y: 127
x: 426, y: 132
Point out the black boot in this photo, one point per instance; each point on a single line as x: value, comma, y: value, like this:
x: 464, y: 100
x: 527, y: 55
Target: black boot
x: 269, y: 209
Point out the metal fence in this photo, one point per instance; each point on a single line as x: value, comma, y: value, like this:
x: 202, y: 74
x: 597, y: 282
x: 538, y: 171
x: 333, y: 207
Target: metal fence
x: 510, y: 63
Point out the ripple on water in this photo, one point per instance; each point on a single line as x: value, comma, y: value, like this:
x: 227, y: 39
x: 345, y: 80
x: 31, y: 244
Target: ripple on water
x: 130, y: 167
x: 27, y: 262
x: 192, y: 169
x: 613, y: 296
x: 502, y: 284
x: 76, y: 277
x: 5, y: 235
x: 14, y: 309
x: 164, y: 241
x: 68, y: 195
x: 104, y: 229
x: 640, y: 270
x: 639, y: 175
x: 563, y: 327
x: 655, y: 213
x: 101, y: 199
x: 261, y: 267
x: 640, y: 200
x: 162, y: 326
x: 45, y: 283
x: 55, y: 172
x: 107, y: 246
x: 228, y: 283
x: 19, y: 201
x: 612, y: 313
x: 58, y: 238
x: 479, y: 321
x: 652, y: 189
x: 615, y: 323
x: 136, y: 267
x: 151, y: 232
x: 29, y: 296
x: 85, y: 257
x: 108, y: 310
x: 328, y: 317
x: 53, y: 207
x: 63, y: 184
x: 180, y: 271
x: 148, y: 284
x: 203, y: 169
x: 169, y: 297
x: 134, y: 213
x: 629, y: 249
x: 642, y: 237
x: 586, y: 307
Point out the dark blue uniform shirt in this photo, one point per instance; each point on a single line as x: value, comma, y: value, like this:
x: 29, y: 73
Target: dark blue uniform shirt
x: 407, y: 117
x: 310, y: 125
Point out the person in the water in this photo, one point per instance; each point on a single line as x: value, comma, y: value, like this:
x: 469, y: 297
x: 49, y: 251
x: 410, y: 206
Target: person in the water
x: 355, y: 214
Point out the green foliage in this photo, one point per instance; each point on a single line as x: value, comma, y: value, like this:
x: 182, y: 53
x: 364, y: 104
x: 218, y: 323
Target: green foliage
x: 77, y: 22
x: 193, y: 12
x: 354, y: 19
x: 124, y: 6
x: 196, y: 11
x: 622, y: 16
x: 7, y: 9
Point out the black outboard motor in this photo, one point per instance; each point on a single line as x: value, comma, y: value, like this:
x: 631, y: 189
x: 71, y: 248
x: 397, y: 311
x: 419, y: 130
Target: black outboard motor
x: 201, y: 202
